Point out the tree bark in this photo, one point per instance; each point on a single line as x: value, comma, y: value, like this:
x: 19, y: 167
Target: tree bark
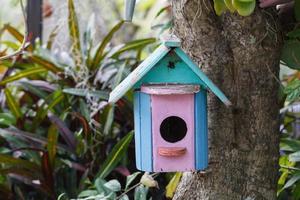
x: 241, y: 55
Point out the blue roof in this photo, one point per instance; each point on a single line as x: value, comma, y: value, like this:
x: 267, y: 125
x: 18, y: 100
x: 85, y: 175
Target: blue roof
x: 152, y: 60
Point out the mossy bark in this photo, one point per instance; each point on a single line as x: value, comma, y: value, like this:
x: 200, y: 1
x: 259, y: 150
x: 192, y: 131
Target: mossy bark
x: 241, y: 55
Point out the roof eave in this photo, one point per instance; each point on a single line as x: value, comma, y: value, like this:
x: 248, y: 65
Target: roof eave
x: 138, y: 73
x: 202, y: 76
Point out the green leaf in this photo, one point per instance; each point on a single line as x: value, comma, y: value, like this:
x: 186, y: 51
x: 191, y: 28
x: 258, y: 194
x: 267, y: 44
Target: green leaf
x: 291, y: 54
x: 219, y: 6
x: 7, y: 119
x: 229, y: 5
x: 244, y: 8
x: 124, y: 197
x: 74, y: 34
x: 162, y: 10
x: 42, y: 112
x: 99, y: 184
x: 172, y: 185
x: 109, y: 120
x: 87, y: 193
x: 52, y: 143
x: 115, y: 156
x: 294, y: 157
x: 52, y: 36
x: 83, y: 93
x: 292, y: 90
x: 45, y: 64
x: 33, y: 89
x: 23, y: 74
x: 9, y: 160
x: 294, y: 34
x: 100, y: 51
x: 14, y: 32
x: 292, y: 181
x: 136, y: 44
x: 140, y: 193
x: 289, y: 144
x: 113, y: 185
x: 297, y: 10
x: 13, y: 104
x: 130, y: 179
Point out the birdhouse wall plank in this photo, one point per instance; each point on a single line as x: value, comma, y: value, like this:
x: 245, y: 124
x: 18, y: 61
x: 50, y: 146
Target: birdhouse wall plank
x: 201, y: 138
x: 145, y: 132
x: 137, y: 130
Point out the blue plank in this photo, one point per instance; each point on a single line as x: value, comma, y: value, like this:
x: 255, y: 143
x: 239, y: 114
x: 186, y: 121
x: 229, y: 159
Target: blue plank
x: 146, y: 132
x: 137, y: 129
x: 201, y: 138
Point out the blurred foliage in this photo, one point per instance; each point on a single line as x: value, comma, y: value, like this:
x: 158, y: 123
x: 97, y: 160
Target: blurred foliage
x: 288, y: 183
x: 59, y: 138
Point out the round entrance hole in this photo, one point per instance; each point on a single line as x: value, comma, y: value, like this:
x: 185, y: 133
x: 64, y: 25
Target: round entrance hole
x: 173, y: 129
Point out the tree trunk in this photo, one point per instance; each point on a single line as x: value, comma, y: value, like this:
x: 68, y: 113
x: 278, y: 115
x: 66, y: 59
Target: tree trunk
x: 241, y: 55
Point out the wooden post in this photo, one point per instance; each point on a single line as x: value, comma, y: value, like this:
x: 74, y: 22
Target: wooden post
x: 34, y: 19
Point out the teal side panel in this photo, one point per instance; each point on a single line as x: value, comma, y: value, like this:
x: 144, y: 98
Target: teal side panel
x: 146, y: 132
x: 201, y: 138
x: 137, y: 129
x: 170, y: 69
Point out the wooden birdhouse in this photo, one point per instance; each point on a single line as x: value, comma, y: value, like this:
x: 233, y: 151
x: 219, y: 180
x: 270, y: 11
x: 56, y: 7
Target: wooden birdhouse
x: 170, y: 110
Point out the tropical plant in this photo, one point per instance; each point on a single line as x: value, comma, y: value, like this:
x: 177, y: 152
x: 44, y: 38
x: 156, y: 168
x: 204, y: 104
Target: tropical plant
x: 57, y: 130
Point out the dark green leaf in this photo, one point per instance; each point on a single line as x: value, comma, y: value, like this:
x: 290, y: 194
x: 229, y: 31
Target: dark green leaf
x: 115, y: 156
x: 83, y: 92
x: 52, y: 144
x: 7, y: 119
x: 294, y: 34
x: 64, y: 131
x: 289, y: 144
x: 9, y: 160
x: 291, y: 54
x: 297, y: 10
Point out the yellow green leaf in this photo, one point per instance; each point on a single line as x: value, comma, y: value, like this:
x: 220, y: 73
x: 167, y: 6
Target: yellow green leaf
x: 219, y: 6
x: 45, y: 64
x: 12, y: 104
x: 14, y: 32
x: 244, y: 8
x: 52, y: 143
x: 99, y: 52
x: 229, y: 5
x: 172, y: 185
x: 74, y: 34
x: 22, y: 74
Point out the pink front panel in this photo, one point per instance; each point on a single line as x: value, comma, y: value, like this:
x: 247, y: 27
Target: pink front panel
x: 164, y: 106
